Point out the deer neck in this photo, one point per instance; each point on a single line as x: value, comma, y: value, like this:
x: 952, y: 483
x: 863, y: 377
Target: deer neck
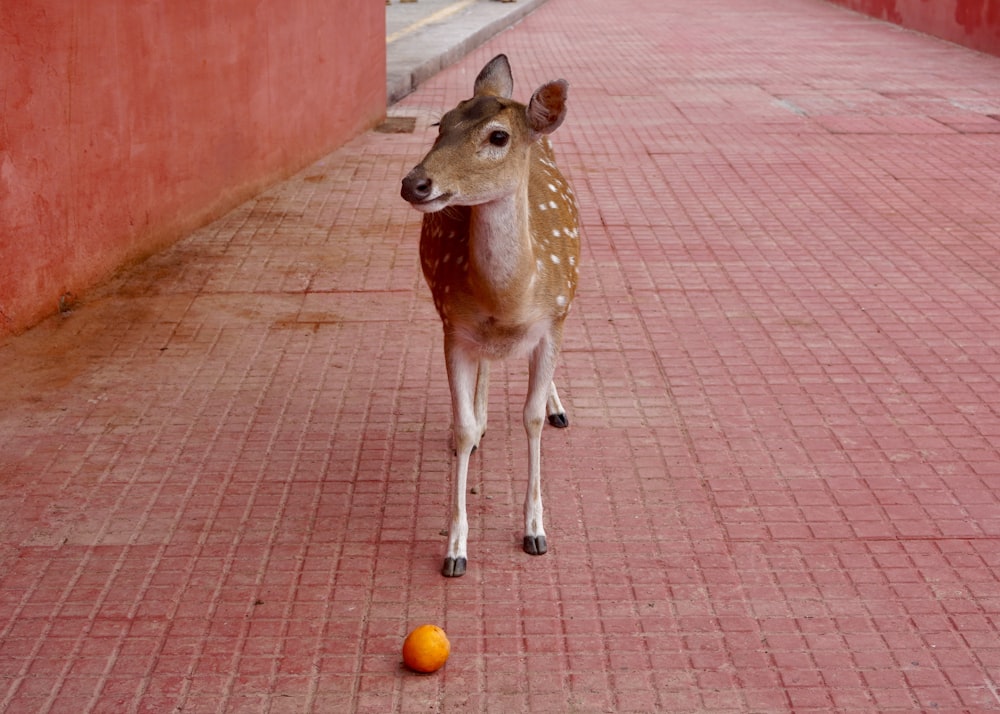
x: 500, y: 245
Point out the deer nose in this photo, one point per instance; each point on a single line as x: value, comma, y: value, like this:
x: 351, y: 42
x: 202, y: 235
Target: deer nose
x: 417, y: 186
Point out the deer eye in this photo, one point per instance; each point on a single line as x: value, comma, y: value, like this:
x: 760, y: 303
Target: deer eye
x: 499, y: 138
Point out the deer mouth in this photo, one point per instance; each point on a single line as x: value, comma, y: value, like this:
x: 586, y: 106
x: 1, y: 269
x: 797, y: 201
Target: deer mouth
x: 432, y: 204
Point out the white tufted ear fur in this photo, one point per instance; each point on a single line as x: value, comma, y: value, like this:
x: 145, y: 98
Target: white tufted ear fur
x: 547, y: 107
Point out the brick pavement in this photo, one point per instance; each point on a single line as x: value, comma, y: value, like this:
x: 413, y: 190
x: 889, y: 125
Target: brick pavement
x: 225, y: 475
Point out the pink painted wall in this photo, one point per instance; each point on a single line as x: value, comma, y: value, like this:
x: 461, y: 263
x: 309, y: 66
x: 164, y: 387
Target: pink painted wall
x: 973, y: 23
x: 125, y: 124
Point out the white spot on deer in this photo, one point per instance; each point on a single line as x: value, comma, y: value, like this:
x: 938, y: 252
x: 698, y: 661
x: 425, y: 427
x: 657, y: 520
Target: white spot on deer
x: 556, y: 233
x: 543, y: 207
x: 553, y: 189
x: 552, y: 204
x: 561, y: 300
x: 555, y: 259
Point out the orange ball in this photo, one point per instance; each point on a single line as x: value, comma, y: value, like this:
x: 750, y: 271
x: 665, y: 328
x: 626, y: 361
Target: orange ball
x: 426, y: 649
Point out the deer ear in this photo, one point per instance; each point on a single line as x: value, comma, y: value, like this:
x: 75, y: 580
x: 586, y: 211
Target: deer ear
x: 547, y: 107
x: 495, y: 79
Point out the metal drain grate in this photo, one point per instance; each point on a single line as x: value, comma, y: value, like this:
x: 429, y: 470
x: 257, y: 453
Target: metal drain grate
x: 397, y: 125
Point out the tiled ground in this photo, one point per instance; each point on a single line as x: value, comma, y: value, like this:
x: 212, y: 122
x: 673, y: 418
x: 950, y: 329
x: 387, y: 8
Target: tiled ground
x: 225, y: 476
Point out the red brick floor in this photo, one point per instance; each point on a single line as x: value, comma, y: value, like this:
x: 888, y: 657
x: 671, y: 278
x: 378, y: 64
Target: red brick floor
x: 224, y: 477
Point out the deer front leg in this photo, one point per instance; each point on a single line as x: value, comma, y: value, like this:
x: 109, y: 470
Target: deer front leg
x: 540, y: 369
x: 462, y: 379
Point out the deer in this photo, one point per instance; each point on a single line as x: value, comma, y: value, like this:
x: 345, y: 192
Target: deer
x: 499, y: 250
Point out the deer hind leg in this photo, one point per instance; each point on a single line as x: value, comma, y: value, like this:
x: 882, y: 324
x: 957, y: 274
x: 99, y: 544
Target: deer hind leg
x: 540, y: 391
x: 479, y: 406
x: 462, y: 379
x: 554, y: 409
x: 482, y: 397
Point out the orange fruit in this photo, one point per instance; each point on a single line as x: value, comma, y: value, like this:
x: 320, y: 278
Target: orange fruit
x: 426, y: 649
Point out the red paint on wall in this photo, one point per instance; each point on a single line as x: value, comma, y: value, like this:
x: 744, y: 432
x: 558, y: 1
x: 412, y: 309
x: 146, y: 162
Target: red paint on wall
x: 973, y: 23
x: 124, y: 124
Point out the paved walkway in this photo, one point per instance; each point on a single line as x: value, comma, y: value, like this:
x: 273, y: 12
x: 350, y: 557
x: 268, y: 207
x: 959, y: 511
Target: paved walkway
x: 224, y: 477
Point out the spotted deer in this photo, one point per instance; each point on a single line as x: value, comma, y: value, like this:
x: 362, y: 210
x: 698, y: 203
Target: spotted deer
x: 499, y: 248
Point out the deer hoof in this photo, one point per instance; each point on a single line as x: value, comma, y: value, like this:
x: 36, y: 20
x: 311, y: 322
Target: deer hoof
x: 560, y: 421
x: 453, y: 567
x: 535, y: 545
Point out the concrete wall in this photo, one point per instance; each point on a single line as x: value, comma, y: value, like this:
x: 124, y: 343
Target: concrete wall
x: 973, y: 23
x: 124, y: 124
